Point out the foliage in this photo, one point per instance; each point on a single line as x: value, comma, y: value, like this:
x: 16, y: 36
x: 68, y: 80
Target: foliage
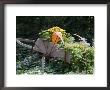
x: 82, y: 58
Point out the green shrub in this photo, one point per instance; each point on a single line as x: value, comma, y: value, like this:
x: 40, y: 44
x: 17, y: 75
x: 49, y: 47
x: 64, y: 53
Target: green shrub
x: 82, y: 57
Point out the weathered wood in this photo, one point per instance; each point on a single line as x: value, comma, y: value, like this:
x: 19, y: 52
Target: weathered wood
x: 26, y: 40
x: 47, y: 48
x: 24, y: 45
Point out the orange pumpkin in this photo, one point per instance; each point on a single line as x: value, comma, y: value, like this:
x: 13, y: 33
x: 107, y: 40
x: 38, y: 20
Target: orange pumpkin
x: 56, y: 36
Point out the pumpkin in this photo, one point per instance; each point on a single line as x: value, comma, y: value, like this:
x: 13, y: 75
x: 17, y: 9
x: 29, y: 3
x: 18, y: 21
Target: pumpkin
x: 56, y: 36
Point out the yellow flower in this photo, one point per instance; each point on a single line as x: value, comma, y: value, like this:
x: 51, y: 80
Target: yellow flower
x: 56, y: 29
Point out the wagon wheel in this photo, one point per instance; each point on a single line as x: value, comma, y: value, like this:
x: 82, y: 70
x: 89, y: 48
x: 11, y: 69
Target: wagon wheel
x: 48, y: 49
